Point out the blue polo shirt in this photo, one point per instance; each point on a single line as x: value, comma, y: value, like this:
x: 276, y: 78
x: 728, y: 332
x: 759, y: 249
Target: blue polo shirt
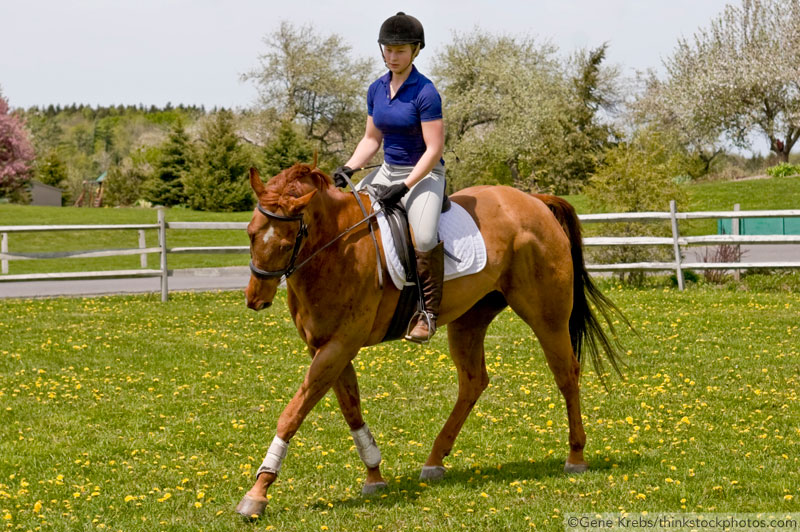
x: 400, y: 118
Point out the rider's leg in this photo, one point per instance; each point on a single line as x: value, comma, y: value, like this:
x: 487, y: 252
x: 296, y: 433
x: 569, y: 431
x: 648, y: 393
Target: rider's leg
x: 424, y: 206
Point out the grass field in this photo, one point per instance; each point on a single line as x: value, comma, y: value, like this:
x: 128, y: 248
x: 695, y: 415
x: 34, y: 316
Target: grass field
x: 775, y: 193
x: 122, y: 413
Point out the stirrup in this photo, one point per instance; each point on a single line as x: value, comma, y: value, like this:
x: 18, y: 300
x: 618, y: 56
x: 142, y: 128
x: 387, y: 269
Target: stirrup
x: 429, y: 318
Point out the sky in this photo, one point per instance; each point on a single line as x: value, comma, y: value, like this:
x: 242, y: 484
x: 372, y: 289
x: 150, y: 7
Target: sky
x: 109, y: 52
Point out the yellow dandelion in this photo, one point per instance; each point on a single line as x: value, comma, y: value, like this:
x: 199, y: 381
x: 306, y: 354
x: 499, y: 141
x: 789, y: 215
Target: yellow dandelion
x: 37, y: 507
x: 787, y: 497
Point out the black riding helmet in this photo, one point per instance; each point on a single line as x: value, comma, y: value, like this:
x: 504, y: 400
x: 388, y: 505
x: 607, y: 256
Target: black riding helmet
x: 402, y: 29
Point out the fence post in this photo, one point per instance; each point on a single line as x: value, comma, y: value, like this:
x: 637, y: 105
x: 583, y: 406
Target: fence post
x: 4, y: 249
x: 673, y: 211
x: 142, y: 245
x: 735, y: 231
x: 162, y: 241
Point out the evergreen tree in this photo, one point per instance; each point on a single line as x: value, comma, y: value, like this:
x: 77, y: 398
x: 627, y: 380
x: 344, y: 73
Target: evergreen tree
x: 286, y: 148
x: 219, y: 180
x: 50, y: 169
x: 165, y: 186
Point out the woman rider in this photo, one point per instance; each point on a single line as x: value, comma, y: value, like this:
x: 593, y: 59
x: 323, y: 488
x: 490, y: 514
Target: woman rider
x: 405, y: 113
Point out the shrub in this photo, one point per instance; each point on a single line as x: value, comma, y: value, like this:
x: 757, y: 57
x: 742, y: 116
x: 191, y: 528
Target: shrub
x: 783, y: 170
x: 638, y: 176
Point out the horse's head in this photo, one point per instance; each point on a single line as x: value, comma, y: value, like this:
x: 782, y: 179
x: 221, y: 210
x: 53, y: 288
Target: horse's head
x: 277, y: 228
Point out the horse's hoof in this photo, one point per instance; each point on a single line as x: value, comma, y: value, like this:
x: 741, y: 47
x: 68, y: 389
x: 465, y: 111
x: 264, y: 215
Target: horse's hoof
x: 432, y: 473
x: 251, y: 507
x: 375, y: 487
x: 575, y: 468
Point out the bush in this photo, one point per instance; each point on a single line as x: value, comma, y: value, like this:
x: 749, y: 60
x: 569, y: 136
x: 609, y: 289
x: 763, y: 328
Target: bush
x: 783, y: 170
x: 637, y: 176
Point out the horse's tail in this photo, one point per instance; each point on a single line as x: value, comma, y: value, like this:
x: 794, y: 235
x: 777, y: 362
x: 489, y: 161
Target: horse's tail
x: 585, y: 329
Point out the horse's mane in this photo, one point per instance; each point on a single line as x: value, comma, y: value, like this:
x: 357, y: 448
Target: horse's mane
x: 288, y: 185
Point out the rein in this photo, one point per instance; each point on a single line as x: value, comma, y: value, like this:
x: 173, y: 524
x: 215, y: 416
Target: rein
x: 302, y: 232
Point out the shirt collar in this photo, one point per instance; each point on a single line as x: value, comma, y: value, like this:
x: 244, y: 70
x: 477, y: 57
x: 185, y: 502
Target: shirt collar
x: 412, y: 79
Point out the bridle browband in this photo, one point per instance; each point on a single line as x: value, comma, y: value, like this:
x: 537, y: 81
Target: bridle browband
x: 302, y: 232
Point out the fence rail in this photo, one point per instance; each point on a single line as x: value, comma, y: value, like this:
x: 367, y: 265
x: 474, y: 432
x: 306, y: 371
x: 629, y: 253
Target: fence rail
x: 679, y: 243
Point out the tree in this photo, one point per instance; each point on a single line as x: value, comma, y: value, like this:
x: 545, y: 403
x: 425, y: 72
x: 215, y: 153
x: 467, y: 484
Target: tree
x: 166, y: 185
x: 16, y: 152
x: 516, y: 116
x: 286, y: 148
x: 125, y: 180
x: 312, y: 80
x: 659, y: 106
x: 740, y: 75
x: 50, y: 169
x: 502, y: 99
x: 593, y: 90
x: 219, y: 179
x: 638, y: 175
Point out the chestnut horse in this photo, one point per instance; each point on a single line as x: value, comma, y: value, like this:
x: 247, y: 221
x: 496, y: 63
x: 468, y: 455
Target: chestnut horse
x: 534, y: 265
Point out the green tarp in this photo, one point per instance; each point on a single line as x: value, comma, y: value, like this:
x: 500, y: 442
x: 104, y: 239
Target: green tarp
x: 761, y: 226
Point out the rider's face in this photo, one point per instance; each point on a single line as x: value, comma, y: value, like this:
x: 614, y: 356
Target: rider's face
x: 398, y: 57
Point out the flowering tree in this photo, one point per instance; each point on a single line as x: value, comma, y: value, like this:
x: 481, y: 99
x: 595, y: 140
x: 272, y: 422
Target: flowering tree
x: 312, y: 80
x: 741, y: 75
x: 517, y: 115
x: 16, y: 152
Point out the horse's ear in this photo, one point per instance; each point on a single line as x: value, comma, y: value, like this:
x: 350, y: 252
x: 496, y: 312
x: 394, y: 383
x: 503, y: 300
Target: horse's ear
x: 255, y: 182
x: 298, y: 204
x: 314, y: 164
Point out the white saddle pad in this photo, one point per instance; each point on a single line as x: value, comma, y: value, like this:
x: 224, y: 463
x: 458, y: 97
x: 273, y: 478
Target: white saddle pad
x: 461, y: 238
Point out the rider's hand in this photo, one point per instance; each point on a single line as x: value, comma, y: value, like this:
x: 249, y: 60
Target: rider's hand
x: 340, y: 176
x: 391, y: 195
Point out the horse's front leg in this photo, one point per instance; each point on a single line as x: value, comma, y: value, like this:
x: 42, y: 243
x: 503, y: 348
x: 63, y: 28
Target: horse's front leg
x: 346, y: 389
x: 325, y: 369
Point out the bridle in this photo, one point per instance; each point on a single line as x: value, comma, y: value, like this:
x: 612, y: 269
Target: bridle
x: 290, y: 268
x: 302, y: 232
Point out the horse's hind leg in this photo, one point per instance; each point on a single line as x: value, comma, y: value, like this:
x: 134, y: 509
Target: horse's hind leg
x: 550, y: 321
x: 346, y: 390
x: 465, y: 335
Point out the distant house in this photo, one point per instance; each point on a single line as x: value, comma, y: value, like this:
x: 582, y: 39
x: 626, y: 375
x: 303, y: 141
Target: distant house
x: 42, y: 194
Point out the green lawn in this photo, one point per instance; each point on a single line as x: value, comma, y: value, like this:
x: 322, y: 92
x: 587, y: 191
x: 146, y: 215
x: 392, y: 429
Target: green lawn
x: 122, y: 413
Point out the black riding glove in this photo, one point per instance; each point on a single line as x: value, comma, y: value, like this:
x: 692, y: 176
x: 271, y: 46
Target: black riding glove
x: 390, y: 196
x: 341, y: 174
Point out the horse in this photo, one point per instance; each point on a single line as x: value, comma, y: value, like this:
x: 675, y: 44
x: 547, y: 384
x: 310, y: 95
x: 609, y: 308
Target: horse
x: 535, y: 265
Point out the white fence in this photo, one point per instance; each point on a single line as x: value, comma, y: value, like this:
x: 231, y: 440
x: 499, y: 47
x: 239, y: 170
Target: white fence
x: 677, y: 242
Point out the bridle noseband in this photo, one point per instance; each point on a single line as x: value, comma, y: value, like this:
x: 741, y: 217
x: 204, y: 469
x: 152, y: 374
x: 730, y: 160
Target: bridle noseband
x: 290, y: 268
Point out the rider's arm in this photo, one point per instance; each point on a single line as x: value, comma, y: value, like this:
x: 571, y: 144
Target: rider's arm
x: 367, y: 147
x: 433, y: 133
